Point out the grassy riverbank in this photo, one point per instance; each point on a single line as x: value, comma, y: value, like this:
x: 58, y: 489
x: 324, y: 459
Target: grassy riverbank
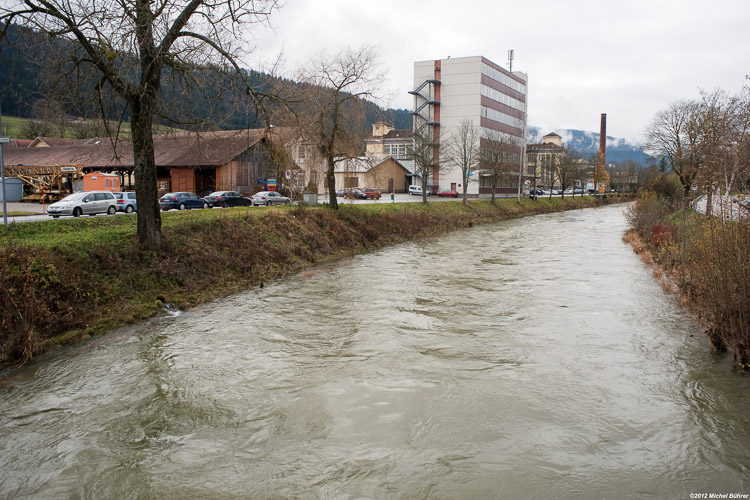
x: 65, y: 280
x: 703, y: 259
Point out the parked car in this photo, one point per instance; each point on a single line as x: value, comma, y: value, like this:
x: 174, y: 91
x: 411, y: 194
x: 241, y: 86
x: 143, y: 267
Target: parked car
x: 536, y: 192
x: 270, y: 198
x: 578, y: 191
x: 449, y: 193
x: 227, y: 199
x: 126, y: 202
x: 352, y: 194
x: 371, y: 193
x: 84, y: 203
x: 182, y: 201
x: 414, y: 189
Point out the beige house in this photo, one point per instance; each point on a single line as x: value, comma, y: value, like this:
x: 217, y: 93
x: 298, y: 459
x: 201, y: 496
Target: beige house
x: 372, y: 172
x: 388, y: 141
x: 540, y: 159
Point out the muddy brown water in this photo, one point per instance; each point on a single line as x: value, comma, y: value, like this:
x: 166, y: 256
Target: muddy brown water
x: 534, y: 358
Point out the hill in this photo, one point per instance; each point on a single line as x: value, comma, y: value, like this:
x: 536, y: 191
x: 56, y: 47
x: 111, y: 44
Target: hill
x: 618, y: 150
x: 25, y: 56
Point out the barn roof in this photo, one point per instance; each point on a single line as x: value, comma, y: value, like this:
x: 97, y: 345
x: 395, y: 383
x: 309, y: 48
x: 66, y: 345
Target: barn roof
x: 207, y: 149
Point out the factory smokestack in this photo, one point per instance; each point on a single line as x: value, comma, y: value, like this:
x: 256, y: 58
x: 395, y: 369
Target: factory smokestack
x: 603, y: 141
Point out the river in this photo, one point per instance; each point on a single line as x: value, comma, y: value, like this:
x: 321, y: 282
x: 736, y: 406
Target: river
x: 532, y: 358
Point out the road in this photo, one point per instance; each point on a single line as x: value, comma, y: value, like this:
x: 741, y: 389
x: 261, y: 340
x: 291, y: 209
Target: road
x: 37, y: 208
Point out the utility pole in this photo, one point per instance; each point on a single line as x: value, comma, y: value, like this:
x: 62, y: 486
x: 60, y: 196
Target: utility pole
x: 3, y: 140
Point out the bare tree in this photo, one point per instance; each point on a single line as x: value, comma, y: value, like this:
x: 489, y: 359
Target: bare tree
x: 496, y: 159
x: 566, y: 168
x: 425, y: 157
x: 34, y: 128
x: 126, y: 47
x: 673, y: 134
x: 89, y: 129
x: 51, y: 111
x: 331, y: 105
x: 462, y: 151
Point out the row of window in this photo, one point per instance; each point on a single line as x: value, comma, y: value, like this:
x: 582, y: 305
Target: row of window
x: 398, y: 150
x: 501, y: 77
x: 497, y: 116
x: 498, y: 96
x: 490, y: 133
x: 506, y: 181
x: 544, y: 159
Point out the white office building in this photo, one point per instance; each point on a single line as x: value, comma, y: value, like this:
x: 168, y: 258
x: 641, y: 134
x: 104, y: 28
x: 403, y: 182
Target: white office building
x: 448, y: 91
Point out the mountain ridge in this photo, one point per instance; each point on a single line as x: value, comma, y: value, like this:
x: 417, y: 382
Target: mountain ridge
x: 618, y: 150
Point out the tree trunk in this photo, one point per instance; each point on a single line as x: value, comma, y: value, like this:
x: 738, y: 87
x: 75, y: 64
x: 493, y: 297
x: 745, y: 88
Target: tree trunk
x: 331, y: 179
x: 149, y: 215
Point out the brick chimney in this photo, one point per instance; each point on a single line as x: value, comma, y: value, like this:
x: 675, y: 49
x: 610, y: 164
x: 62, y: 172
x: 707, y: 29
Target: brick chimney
x: 603, y: 141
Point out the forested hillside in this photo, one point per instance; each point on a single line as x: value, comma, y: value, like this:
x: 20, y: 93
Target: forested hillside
x: 28, y: 78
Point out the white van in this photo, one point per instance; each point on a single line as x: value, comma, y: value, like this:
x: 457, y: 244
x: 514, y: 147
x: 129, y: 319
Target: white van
x: 414, y: 189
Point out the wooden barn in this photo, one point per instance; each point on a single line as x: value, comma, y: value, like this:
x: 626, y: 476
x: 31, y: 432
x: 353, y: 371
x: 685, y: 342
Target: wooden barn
x: 238, y: 160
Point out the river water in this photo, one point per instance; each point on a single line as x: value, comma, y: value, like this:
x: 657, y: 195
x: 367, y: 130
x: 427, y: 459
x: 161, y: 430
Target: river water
x: 533, y: 358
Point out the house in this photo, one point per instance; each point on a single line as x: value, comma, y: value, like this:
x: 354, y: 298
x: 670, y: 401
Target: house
x: 372, y: 172
x: 541, y: 158
x: 387, y: 141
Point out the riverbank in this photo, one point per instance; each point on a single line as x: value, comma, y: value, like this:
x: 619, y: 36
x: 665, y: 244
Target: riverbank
x: 703, y: 260
x: 66, y: 280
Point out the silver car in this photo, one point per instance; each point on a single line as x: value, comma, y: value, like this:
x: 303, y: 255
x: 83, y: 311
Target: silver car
x: 126, y: 202
x: 84, y: 203
x: 270, y: 198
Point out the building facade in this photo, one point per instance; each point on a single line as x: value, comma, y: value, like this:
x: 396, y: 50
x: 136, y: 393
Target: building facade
x: 387, y: 141
x: 541, y: 159
x: 448, y: 91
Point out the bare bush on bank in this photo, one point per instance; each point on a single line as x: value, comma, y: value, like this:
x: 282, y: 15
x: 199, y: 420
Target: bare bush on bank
x: 706, y: 144
x: 707, y: 257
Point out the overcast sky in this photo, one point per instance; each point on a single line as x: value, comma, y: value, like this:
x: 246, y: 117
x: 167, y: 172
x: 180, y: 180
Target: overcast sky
x: 628, y: 59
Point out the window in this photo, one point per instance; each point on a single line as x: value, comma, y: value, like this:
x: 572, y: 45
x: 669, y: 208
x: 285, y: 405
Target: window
x: 499, y: 117
x: 506, y: 80
x: 498, y: 96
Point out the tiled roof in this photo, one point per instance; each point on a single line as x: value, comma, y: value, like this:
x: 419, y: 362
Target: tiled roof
x: 399, y: 134
x: 392, y: 134
x: 18, y: 143
x: 208, y: 149
x: 54, y: 142
x: 362, y: 164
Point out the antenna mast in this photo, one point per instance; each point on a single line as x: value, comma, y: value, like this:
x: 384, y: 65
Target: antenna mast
x: 510, y: 60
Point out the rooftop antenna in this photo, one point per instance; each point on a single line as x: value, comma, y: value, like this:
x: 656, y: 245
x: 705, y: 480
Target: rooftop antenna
x: 510, y: 60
